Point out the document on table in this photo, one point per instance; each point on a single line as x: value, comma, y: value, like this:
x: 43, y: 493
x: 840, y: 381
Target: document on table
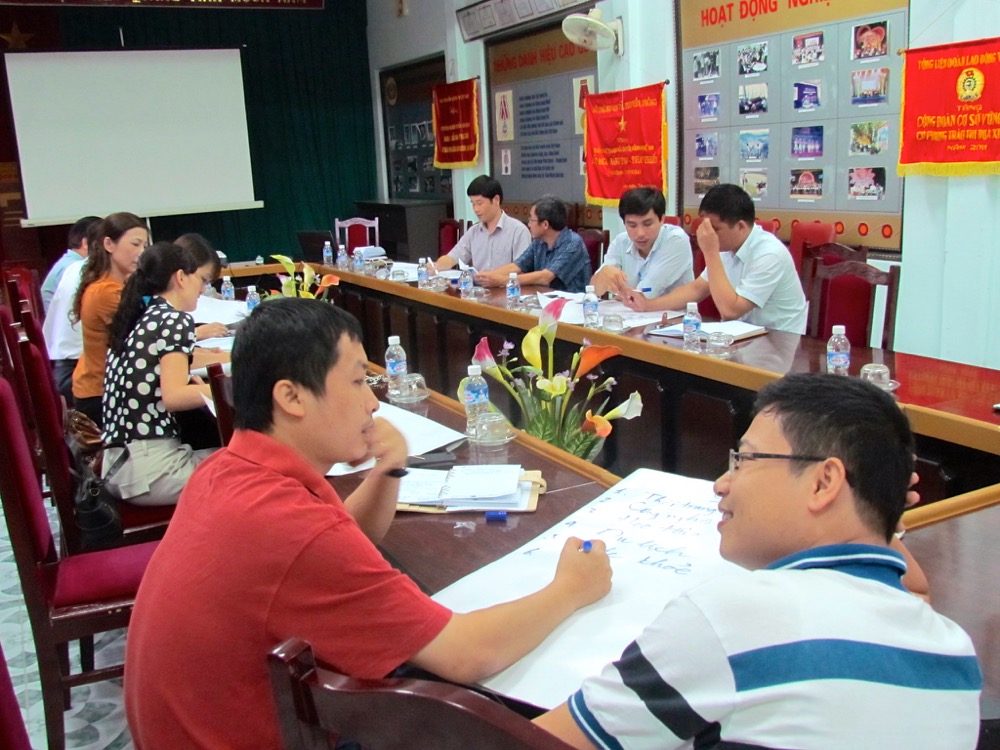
x: 660, y: 530
x: 421, y: 434
x: 211, y: 310
x: 225, y: 343
x: 735, y: 328
x: 458, y: 490
x: 573, y: 313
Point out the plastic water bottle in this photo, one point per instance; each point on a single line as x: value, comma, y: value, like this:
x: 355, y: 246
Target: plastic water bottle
x: 591, y: 305
x: 513, y: 292
x: 253, y: 298
x: 359, y: 262
x: 423, y: 274
x: 465, y: 284
x: 227, y: 290
x: 477, y: 398
x: 343, y: 260
x: 692, y: 328
x: 838, y: 352
x: 395, y: 366
x: 327, y: 254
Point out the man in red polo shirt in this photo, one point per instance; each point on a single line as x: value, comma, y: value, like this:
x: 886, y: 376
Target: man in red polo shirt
x: 261, y: 548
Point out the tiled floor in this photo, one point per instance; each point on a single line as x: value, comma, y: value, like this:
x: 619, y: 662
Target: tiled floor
x: 97, y: 719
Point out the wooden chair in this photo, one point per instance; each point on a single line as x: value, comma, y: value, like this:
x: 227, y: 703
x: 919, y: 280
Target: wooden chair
x: 68, y: 598
x: 449, y: 233
x: 29, y: 288
x: 141, y: 523
x: 354, y: 233
x: 813, y: 232
x: 13, y: 735
x: 597, y: 241
x: 848, y: 299
x: 826, y: 253
x: 222, y: 394
x: 389, y: 714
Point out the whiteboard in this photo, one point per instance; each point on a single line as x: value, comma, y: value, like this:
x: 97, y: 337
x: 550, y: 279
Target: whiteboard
x: 661, y: 535
x: 156, y: 133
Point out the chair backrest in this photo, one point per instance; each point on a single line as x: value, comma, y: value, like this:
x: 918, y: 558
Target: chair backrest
x: 13, y: 735
x: 222, y: 394
x: 389, y: 714
x: 449, y: 232
x: 675, y: 220
x: 767, y: 225
x: 29, y: 288
x: 356, y: 232
x: 707, y: 306
x: 826, y: 253
x: 12, y: 368
x: 13, y: 297
x: 596, y: 241
x: 813, y: 232
x: 848, y: 299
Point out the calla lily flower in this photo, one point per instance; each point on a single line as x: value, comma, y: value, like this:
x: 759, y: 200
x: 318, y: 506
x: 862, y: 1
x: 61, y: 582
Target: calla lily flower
x: 531, y: 345
x: 556, y: 387
x: 484, y: 357
x: 308, y: 276
x: 596, y: 424
x: 627, y: 409
x: 328, y: 280
x: 288, y: 286
x: 593, y: 355
x: 287, y: 263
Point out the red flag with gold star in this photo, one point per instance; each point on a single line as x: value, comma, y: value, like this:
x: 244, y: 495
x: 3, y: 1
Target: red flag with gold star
x: 625, y: 142
x: 456, y: 124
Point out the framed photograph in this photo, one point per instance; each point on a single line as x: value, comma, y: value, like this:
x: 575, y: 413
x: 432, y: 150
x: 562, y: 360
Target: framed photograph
x: 752, y: 98
x: 806, y: 183
x: 754, y: 144
x: 706, y: 64
x: 808, y: 48
x: 705, y: 178
x: 807, y: 142
x: 751, y: 58
x: 870, y: 40
x: 869, y: 86
x: 866, y: 183
x: 706, y: 145
x: 754, y: 181
x: 708, y: 105
x: 806, y: 95
x: 869, y: 138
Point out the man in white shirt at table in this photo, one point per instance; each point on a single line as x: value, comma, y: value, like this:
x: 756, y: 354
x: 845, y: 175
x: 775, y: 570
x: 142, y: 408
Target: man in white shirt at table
x: 748, y: 272
x: 649, y: 256
x: 496, y: 240
x: 821, y: 645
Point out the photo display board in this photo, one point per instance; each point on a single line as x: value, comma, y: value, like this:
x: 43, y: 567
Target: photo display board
x: 536, y: 89
x: 804, y: 115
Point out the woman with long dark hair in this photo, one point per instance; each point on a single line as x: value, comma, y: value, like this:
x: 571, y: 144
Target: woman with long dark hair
x: 151, y: 346
x: 113, y: 251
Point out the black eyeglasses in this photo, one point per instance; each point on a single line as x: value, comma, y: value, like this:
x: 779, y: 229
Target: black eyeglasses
x: 737, y: 457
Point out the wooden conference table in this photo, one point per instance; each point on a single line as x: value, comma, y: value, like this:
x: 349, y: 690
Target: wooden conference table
x: 437, y: 550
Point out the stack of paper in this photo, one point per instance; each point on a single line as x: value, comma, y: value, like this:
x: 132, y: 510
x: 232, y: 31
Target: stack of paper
x: 483, y: 487
x: 735, y: 328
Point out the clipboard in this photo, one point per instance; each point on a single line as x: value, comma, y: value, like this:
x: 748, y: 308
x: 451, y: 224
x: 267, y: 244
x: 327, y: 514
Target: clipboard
x: 538, y: 487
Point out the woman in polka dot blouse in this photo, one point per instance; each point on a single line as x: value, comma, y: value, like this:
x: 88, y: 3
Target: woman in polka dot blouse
x: 150, y: 346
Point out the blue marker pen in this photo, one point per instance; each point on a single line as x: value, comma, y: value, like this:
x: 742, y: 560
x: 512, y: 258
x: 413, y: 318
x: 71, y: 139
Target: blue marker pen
x: 587, y: 546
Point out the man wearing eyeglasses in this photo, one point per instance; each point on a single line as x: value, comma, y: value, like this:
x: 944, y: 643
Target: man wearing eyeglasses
x: 820, y: 646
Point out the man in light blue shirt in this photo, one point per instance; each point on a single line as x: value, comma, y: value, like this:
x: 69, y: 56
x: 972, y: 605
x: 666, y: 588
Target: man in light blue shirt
x: 77, y: 244
x: 649, y: 256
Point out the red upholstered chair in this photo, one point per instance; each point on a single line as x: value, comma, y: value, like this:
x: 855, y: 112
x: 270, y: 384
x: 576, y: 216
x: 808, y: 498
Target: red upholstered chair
x: 13, y: 735
x: 141, y: 523
x: 813, y: 232
x: 675, y: 220
x: 449, y: 232
x: 767, y: 225
x: 29, y: 288
x: 389, y: 714
x: 844, y: 294
x: 826, y: 253
x: 707, y: 306
x: 68, y: 598
x: 222, y: 394
x: 354, y: 233
x: 597, y: 241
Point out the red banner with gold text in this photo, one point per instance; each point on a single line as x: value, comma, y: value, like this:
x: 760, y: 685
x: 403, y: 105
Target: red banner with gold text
x: 456, y: 124
x: 950, y: 123
x: 625, y: 142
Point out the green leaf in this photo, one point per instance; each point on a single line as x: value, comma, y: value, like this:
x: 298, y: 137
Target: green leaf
x: 288, y: 264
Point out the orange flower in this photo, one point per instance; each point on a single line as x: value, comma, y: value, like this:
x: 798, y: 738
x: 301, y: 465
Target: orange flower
x: 597, y: 424
x: 592, y: 356
x: 327, y: 281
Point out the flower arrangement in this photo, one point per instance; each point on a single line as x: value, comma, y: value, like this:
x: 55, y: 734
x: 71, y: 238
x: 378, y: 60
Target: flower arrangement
x: 295, y: 285
x: 565, y: 409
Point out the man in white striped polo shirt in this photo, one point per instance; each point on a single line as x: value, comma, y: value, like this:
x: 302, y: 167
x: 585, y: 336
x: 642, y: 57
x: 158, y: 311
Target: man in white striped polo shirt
x: 820, y: 646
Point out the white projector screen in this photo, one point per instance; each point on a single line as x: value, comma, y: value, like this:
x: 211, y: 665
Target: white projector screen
x: 157, y: 133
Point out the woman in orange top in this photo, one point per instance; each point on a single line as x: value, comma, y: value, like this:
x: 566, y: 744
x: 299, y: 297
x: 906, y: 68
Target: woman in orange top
x: 113, y: 254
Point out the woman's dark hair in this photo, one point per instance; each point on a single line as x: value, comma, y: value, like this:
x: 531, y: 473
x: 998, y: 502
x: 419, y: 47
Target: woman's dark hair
x: 98, y: 260
x: 203, y: 251
x: 157, y: 266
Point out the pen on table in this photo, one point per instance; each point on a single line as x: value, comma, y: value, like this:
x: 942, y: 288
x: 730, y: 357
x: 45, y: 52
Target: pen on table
x: 587, y: 546
x: 397, y: 473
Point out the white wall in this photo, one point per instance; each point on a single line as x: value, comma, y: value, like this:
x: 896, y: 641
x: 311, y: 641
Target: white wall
x: 949, y: 306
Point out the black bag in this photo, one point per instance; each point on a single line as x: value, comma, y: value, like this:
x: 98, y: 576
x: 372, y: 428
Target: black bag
x: 95, y: 500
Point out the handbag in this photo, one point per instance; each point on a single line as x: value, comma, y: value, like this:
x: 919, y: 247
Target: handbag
x: 95, y: 499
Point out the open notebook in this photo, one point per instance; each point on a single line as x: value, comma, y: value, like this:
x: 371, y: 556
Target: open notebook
x: 735, y: 328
